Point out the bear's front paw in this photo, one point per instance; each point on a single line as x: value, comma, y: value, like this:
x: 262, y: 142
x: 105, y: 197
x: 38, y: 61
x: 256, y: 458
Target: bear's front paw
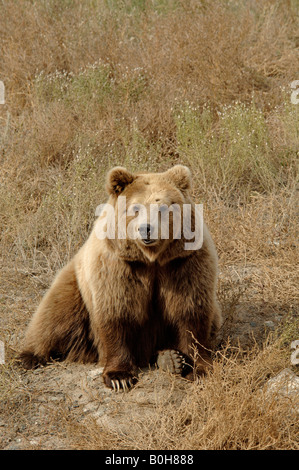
x: 119, y: 380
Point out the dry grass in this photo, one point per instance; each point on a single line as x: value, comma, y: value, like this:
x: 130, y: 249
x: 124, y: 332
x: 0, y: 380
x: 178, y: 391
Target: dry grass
x: 145, y: 84
x: 228, y: 410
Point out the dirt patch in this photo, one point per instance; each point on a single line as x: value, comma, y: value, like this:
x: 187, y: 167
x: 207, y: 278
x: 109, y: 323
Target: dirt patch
x: 53, y: 395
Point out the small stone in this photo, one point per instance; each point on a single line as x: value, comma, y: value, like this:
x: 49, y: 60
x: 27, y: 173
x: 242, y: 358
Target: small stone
x: 93, y: 374
x: 91, y: 407
x: 286, y: 383
x: 270, y: 324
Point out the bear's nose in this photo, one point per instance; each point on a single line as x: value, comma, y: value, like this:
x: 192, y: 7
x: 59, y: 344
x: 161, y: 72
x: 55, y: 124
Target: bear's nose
x: 145, y: 231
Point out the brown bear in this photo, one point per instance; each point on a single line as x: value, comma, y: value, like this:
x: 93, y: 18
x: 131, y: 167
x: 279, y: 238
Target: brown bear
x: 123, y: 299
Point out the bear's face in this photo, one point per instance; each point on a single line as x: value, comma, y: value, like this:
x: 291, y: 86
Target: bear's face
x: 148, y: 211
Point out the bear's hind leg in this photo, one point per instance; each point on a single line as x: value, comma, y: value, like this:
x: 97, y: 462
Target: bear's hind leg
x: 171, y: 361
x: 175, y: 362
x: 60, y: 326
x: 30, y: 361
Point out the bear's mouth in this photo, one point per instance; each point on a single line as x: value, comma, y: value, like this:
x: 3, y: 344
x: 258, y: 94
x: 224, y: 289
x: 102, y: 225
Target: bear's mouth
x: 148, y: 241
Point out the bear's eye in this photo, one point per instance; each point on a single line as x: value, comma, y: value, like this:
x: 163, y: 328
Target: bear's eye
x: 163, y: 208
x: 136, y: 208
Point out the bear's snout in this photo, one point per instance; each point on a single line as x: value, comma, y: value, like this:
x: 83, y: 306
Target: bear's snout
x: 146, y: 230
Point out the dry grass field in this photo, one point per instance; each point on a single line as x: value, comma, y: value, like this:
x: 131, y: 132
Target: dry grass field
x: 146, y: 84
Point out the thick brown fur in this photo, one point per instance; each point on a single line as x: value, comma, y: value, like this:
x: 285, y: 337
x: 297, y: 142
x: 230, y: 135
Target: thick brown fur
x: 119, y: 302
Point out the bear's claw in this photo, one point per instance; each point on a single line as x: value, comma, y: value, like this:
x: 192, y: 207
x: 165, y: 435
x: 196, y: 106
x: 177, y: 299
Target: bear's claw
x: 119, y: 381
x: 121, y: 384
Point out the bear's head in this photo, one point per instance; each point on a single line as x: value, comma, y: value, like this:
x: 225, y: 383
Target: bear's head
x: 146, y: 223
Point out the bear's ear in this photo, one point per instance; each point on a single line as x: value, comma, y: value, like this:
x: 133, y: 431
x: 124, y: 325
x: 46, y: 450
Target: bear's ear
x: 117, y: 179
x: 181, y: 176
